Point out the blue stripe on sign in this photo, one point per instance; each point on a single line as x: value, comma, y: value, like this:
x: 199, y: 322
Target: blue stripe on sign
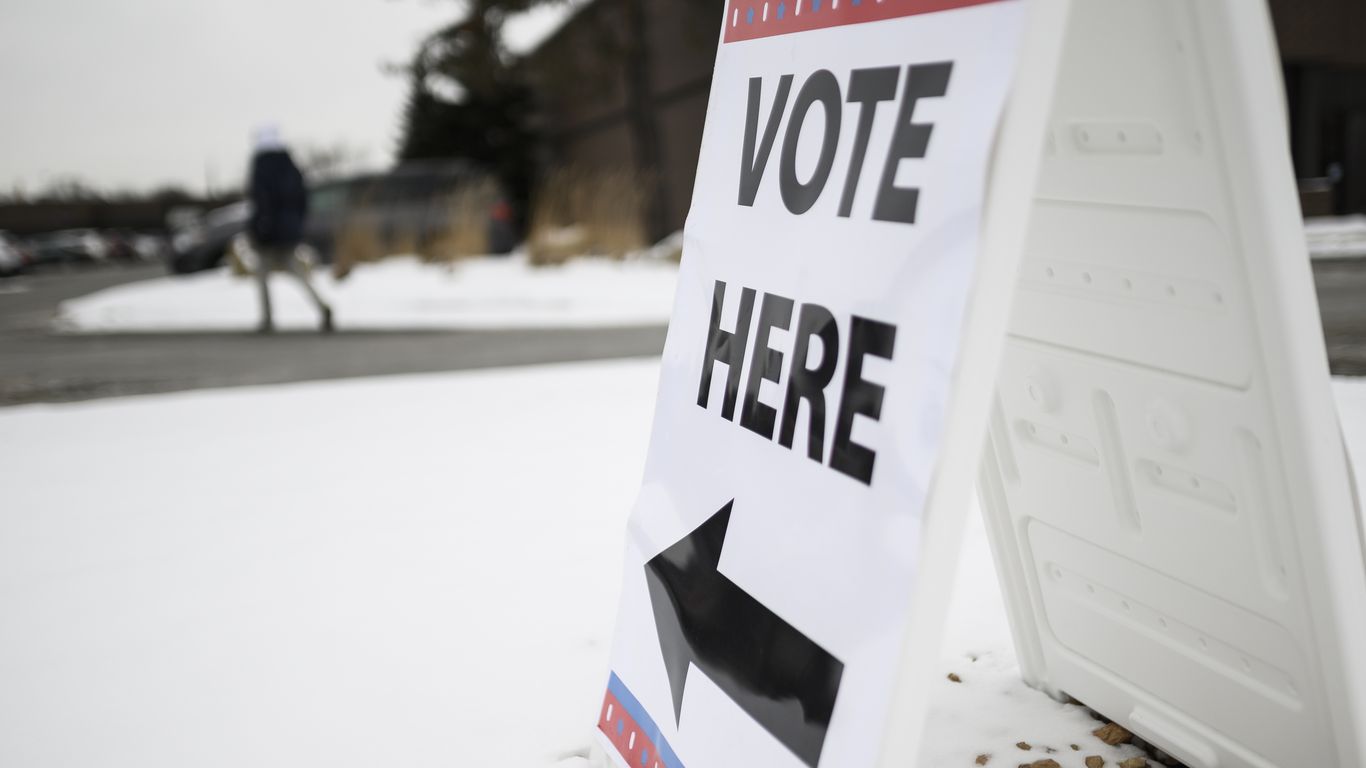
x: 643, y: 720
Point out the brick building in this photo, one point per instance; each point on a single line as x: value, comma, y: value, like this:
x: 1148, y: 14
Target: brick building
x: 1323, y: 51
x: 624, y: 83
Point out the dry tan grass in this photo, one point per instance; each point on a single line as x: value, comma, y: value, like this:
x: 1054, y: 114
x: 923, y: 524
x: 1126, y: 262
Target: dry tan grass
x: 578, y: 212
x: 241, y: 262
x: 403, y: 243
x: 461, y: 233
x: 467, y: 223
x: 358, y: 242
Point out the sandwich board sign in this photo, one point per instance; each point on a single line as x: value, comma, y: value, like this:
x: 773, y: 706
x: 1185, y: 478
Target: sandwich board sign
x: 899, y: 206
x: 774, y: 550
x: 1166, y: 489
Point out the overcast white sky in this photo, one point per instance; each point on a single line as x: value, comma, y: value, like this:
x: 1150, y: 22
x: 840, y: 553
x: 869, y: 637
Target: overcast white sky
x: 139, y: 93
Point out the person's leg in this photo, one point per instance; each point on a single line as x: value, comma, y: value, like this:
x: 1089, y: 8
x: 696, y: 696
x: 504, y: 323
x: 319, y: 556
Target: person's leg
x: 299, y: 269
x: 263, y: 265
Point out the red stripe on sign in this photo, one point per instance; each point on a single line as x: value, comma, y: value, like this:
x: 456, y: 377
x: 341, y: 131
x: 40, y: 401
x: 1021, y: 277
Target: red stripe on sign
x: 753, y: 19
x: 626, y: 735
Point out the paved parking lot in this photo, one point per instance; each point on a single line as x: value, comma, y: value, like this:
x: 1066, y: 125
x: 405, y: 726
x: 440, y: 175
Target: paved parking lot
x: 1342, y: 306
x: 39, y: 366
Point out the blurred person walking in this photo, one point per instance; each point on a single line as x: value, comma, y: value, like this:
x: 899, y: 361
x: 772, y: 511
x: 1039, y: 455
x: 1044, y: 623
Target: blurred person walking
x: 279, y: 207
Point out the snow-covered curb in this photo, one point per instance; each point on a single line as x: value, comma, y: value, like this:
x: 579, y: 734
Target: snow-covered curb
x: 397, y: 294
x: 1336, y: 237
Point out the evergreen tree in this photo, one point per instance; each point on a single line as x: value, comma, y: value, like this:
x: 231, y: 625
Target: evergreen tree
x: 467, y: 101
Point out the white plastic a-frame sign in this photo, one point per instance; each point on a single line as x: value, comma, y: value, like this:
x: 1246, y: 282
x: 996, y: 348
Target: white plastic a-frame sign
x: 1166, y: 487
x: 778, y: 555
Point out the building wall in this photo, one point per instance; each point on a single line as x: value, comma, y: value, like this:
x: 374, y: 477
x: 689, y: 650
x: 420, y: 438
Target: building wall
x: 581, y: 79
x: 1323, y: 51
x: 1321, y: 31
x: 581, y: 76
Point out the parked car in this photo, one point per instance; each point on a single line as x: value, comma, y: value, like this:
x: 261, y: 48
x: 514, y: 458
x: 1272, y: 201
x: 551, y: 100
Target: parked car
x: 202, y: 243
x: 69, y: 246
x: 127, y: 246
x: 150, y: 247
x: 13, y: 257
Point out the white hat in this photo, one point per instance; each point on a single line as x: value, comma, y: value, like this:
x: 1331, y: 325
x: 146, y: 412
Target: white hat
x: 266, y: 137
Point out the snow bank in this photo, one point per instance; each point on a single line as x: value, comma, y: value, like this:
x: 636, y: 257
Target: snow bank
x: 395, y: 294
x: 405, y: 294
x: 416, y: 571
x: 1336, y: 237
x: 409, y: 571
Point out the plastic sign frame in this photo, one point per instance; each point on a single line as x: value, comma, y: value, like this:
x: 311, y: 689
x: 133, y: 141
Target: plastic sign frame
x: 1166, y: 488
x: 1164, y: 482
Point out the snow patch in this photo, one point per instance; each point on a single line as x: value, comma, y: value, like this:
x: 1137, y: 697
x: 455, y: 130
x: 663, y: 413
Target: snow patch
x: 416, y: 570
x: 1336, y: 237
x: 397, y: 294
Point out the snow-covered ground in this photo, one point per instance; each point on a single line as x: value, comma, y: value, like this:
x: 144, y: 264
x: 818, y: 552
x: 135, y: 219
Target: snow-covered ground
x: 400, y: 293
x: 408, y: 571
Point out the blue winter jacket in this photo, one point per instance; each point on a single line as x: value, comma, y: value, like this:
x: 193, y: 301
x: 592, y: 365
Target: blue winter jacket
x: 279, y: 200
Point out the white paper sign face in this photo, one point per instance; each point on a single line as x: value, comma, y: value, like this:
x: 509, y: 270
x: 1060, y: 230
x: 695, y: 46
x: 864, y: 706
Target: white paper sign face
x: 772, y: 552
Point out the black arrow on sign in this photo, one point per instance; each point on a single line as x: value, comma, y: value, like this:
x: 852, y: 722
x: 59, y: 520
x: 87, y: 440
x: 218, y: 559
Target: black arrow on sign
x: 779, y: 676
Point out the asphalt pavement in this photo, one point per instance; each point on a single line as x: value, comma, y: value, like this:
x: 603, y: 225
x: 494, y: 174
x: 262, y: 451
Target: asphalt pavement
x: 37, y: 365
x: 1341, y: 285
